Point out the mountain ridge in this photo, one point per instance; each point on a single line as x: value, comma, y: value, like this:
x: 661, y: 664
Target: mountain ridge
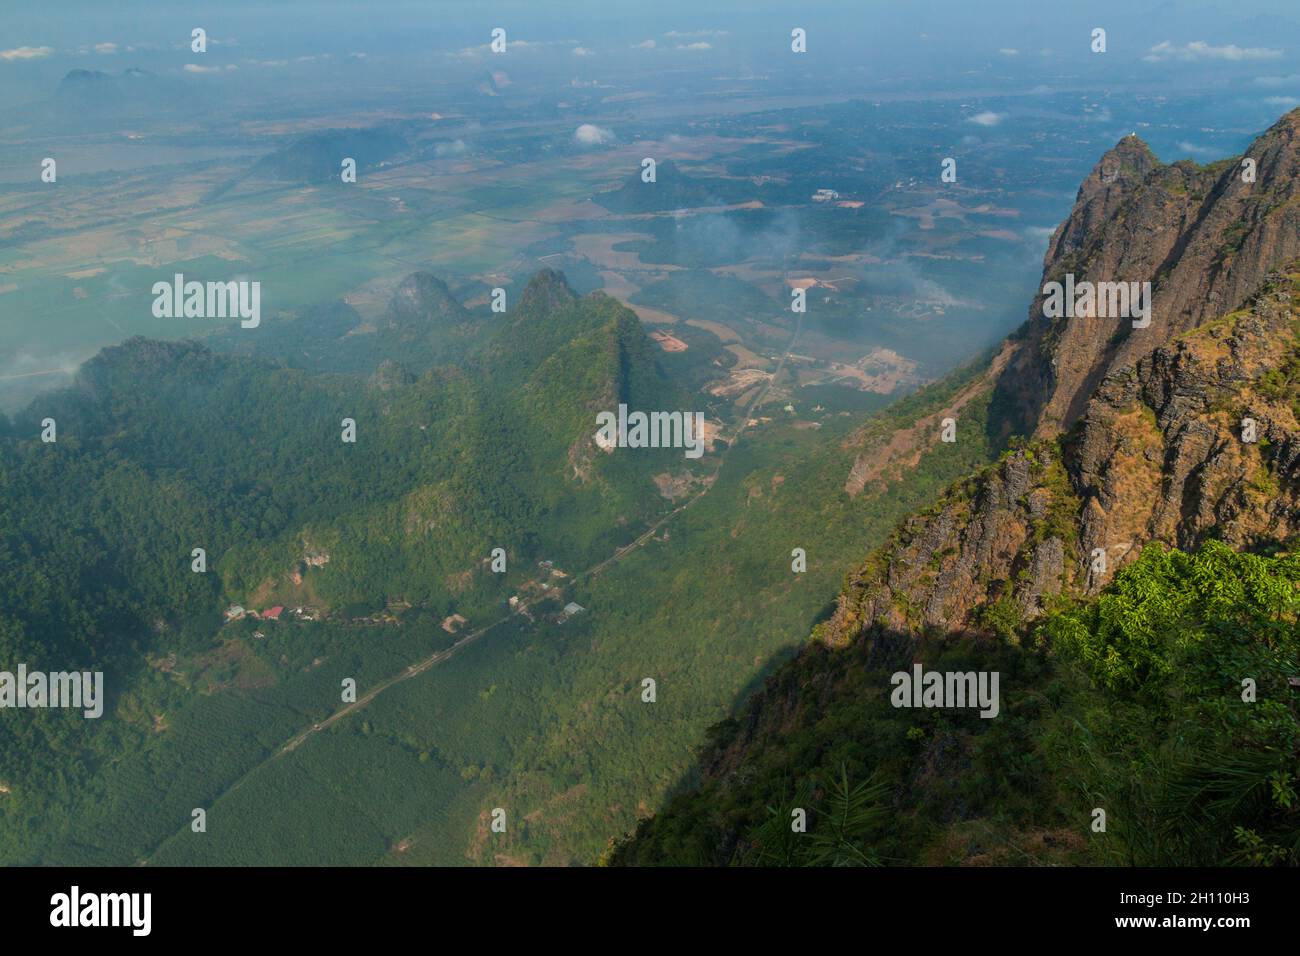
x: 1202, y: 236
x: 1188, y: 438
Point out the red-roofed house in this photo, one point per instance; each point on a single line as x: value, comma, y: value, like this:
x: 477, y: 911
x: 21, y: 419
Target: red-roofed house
x: 273, y: 613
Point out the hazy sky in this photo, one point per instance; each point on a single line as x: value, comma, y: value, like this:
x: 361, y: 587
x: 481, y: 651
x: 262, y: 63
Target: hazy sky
x: 940, y: 43
x: 1229, y: 69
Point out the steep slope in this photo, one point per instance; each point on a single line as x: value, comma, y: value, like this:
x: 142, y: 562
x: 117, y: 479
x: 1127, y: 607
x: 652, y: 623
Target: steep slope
x: 1156, y: 452
x: 1204, y: 237
x: 1140, y: 436
x: 1160, y: 457
x: 1144, y: 458
x: 1129, y: 703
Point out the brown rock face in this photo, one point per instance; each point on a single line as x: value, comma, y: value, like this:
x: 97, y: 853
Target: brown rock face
x: 1204, y: 238
x: 1140, y: 434
x: 999, y: 538
x: 1163, y: 453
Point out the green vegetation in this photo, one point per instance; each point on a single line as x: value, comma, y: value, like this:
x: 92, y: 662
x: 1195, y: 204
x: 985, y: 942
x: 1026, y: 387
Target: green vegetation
x: 1200, y: 769
x: 166, y: 447
x: 1132, y: 702
x: 546, y: 720
x: 163, y: 448
x: 1282, y: 383
x: 849, y: 819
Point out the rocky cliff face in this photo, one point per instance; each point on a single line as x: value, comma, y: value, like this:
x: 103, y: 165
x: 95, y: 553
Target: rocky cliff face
x: 1138, y: 432
x: 1204, y: 237
x: 1199, y: 438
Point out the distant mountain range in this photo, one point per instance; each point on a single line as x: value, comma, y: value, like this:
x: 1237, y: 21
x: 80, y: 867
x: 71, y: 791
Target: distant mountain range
x: 423, y: 325
x: 673, y: 189
x: 133, y: 92
x: 318, y: 157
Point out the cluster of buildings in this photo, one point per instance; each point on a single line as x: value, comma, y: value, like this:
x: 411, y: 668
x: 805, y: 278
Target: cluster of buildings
x: 236, y: 613
x: 546, y: 589
x: 452, y: 624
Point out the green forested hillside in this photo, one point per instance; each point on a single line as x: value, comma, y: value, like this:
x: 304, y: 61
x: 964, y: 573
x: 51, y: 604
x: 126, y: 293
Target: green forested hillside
x: 546, y: 720
x: 167, y: 447
x: 163, y: 448
x: 1134, y: 703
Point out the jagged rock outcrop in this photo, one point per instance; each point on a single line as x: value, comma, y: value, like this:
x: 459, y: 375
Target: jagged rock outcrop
x: 1138, y: 431
x: 1004, y: 534
x: 422, y: 303
x: 547, y: 291
x: 1204, y: 237
x: 1161, y: 455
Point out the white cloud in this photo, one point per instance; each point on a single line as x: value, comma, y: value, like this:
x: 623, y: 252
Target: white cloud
x: 1200, y: 50
x: 195, y: 68
x: 212, y: 41
x: 695, y: 46
x: 485, y: 49
x: 1009, y: 51
x: 987, y: 118
x: 644, y: 45
x: 589, y: 135
x: 1193, y: 149
x: 581, y: 51
x: 106, y: 48
x: 454, y: 148
x: 677, y: 34
x: 1286, y: 102
x: 26, y: 53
